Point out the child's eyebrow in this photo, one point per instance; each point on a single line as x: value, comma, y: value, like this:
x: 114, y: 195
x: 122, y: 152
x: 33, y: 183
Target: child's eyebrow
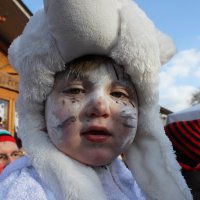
x: 122, y: 83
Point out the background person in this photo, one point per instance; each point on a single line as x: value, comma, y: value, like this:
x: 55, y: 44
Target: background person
x: 185, y: 135
x: 9, y: 150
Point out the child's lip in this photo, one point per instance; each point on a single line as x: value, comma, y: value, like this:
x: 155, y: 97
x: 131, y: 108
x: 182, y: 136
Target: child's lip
x: 96, y: 134
x: 96, y: 131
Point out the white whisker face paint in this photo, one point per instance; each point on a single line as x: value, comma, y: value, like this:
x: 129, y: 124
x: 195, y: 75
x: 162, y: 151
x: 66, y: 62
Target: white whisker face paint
x: 129, y: 120
x: 92, y: 115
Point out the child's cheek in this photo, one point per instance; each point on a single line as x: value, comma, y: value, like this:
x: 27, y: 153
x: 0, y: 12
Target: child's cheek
x: 62, y: 115
x: 128, y: 119
x: 67, y: 107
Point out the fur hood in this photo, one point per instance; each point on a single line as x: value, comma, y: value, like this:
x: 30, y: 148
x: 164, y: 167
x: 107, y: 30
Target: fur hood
x: 65, y: 30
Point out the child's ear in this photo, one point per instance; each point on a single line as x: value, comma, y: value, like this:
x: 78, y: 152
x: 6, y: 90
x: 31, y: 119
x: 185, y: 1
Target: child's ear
x: 167, y: 47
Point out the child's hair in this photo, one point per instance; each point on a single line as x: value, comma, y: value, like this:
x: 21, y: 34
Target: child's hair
x: 78, y: 67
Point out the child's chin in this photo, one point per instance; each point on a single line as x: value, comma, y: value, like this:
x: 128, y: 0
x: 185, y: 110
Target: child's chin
x: 97, y: 162
x: 94, y: 157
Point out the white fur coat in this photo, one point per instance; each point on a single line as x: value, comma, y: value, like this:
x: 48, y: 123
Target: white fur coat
x: 67, y: 29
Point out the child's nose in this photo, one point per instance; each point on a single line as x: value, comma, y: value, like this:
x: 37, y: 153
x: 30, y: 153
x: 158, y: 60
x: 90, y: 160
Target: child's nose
x: 98, y: 107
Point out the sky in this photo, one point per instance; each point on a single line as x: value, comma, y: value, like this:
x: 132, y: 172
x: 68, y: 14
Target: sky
x: 180, y: 19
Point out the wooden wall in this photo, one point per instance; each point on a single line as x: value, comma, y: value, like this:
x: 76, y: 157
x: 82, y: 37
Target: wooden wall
x: 8, y: 93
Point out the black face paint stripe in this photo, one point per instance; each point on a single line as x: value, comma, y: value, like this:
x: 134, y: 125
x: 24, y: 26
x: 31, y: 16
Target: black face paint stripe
x: 116, y: 72
x: 68, y: 121
x: 128, y: 125
x: 128, y: 116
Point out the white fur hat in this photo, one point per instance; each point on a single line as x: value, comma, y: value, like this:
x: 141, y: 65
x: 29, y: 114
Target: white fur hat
x: 68, y: 29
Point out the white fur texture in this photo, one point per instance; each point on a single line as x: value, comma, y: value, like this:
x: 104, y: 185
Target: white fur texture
x: 117, y: 28
x: 84, y: 22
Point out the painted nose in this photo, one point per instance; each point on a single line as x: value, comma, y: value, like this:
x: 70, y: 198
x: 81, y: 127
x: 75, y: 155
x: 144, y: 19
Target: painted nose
x: 98, y: 107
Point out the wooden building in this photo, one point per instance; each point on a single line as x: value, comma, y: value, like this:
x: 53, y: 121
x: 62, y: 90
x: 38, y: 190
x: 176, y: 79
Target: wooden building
x: 13, y: 17
x: 164, y: 112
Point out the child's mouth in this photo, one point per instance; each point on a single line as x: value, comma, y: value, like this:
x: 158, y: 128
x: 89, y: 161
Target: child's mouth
x: 94, y: 135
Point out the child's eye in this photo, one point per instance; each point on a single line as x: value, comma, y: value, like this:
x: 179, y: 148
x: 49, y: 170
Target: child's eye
x: 74, y: 91
x: 119, y: 94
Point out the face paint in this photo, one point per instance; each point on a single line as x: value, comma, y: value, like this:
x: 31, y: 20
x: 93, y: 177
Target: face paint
x: 92, y: 118
x: 129, y: 120
x: 67, y: 122
x: 55, y: 133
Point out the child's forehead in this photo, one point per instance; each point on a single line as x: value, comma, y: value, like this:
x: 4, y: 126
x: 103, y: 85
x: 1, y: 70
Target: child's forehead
x: 101, y: 70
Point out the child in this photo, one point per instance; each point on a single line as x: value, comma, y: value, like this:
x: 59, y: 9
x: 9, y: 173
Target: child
x: 89, y: 92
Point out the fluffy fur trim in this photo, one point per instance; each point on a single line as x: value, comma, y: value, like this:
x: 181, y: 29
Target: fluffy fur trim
x: 150, y: 158
x: 84, y: 21
x: 67, y: 30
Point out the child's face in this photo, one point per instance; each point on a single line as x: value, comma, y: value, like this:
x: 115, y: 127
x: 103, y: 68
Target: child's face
x: 92, y: 118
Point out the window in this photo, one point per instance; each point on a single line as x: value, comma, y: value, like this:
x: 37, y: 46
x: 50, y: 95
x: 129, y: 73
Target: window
x: 3, y: 113
x: 7, y: 109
